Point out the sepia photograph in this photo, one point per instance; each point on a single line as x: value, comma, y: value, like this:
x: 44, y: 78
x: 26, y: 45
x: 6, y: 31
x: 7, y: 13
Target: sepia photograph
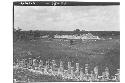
x: 66, y: 41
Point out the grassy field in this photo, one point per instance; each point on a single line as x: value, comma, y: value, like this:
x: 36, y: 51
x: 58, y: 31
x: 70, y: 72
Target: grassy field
x: 101, y: 52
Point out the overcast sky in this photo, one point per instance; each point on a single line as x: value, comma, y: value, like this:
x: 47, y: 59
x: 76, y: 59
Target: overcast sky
x: 92, y: 18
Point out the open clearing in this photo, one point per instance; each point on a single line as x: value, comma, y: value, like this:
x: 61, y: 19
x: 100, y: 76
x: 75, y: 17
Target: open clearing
x: 100, y: 52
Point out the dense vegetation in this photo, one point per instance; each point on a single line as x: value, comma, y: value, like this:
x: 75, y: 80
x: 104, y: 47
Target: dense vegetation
x: 19, y: 34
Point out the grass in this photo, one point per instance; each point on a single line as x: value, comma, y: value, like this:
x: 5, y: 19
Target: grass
x: 101, y: 52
